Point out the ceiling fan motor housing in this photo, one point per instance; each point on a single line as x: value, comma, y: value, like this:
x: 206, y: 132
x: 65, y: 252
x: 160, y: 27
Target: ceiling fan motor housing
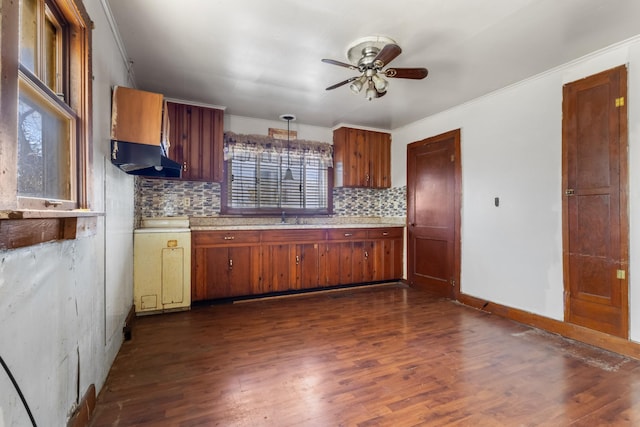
x: 369, y: 54
x: 363, y: 48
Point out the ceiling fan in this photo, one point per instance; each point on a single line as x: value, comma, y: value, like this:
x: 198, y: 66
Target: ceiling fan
x: 369, y: 55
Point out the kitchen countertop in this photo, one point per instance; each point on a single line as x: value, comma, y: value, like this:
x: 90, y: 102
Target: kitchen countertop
x: 270, y: 223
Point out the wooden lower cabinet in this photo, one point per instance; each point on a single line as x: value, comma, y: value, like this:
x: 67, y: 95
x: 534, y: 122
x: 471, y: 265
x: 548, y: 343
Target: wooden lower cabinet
x: 225, y: 272
x: 243, y: 263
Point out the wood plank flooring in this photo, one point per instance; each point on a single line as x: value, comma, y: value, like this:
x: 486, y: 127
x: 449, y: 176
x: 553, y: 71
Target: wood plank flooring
x: 375, y: 356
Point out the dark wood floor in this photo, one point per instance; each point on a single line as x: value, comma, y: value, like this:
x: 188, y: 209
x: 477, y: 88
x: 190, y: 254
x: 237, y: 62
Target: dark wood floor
x: 377, y: 356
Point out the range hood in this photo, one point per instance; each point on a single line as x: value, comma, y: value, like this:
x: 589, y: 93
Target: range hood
x: 140, y: 134
x: 143, y: 160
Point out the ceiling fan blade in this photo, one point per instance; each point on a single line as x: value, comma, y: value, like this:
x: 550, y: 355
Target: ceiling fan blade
x: 349, y: 80
x: 341, y: 64
x: 406, y: 73
x: 386, y: 55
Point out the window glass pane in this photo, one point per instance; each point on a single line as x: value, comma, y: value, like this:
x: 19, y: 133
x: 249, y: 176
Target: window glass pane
x: 242, y: 181
x: 269, y: 183
x: 50, y: 72
x: 262, y: 181
x: 44, y: 148
x: 29, y: 34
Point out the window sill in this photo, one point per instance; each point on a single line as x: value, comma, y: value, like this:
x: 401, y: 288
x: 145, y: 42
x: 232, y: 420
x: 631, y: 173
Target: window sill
x: 31, y: 227
x: 32, y: 213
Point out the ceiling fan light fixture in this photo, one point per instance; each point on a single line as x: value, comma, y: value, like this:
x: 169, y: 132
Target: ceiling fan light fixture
x: 356, y: 86
x: 380, y: 83
x: 371, y: 91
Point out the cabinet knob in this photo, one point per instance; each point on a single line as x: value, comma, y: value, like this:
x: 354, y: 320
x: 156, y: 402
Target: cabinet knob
x: 297, y: 259
x: 385, y: 233
x: 229, y: 237
x: 230, y: 264
x: 348, y: 234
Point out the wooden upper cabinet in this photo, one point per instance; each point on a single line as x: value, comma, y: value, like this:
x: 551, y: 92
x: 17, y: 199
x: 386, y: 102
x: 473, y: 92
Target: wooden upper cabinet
x: 362, y: 158
x: 136, y: 116
x: 196, y: 137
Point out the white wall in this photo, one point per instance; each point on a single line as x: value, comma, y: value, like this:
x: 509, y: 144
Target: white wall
x: 61, y: 311
x: 251, y: 126
x: 511, y: 142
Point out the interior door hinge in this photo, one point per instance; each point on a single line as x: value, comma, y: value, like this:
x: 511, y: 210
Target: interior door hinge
x: 620, y: 274
x: 620, y: 102
x: 453, y: 157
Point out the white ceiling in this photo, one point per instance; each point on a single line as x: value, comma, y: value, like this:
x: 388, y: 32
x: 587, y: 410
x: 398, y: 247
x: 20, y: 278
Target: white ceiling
x: 261, y: 58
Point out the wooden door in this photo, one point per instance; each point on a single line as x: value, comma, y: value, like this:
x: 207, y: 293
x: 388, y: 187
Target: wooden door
x: 595, y: 223
x: 433, y: 214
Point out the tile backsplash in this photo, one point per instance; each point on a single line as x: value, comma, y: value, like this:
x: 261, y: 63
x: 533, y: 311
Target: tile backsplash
x: 161, y: 197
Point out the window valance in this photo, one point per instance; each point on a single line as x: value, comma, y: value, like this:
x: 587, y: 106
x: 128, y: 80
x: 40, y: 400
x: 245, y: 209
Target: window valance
x: 238, y: 144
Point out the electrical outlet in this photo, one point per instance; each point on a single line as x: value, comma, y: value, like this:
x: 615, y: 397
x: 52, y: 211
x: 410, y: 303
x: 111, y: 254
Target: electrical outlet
x: 186, y: 202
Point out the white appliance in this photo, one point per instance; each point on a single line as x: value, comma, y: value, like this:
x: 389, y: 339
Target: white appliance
x: 162, y: 265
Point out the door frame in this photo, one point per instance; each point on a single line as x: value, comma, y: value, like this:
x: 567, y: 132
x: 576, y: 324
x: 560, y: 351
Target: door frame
x: 457, y: 203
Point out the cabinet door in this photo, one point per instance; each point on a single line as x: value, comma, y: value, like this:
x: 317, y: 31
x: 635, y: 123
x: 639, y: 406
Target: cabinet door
x: 349, y: 147
x: 358, y: 262
x: 196, y: 141
x: 276, y: 267
x: 214, y: 277
x: 198, y: 273
x: 379, y: 159
x: 332, y: 270
x: 346, y: 260
x: 308, y: 265
x: 360, y: 158
x: 177, y: 132
x: 240, y: 271
x: 370, y: 273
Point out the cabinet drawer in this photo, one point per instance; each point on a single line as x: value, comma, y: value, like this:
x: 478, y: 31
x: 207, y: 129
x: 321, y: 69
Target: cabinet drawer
x: 209, y: 238
x: 385, y: 233
x: 347, y: 233
x: 289, y: 235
